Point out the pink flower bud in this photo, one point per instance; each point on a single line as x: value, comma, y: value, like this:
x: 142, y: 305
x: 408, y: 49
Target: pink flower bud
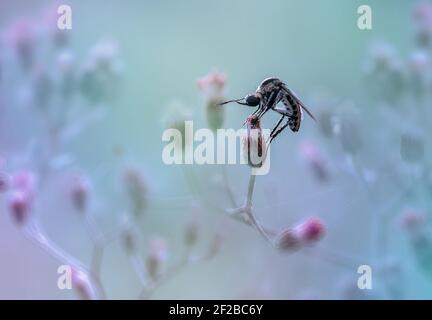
x: 4, y: 182
x: 50, y: 17
x: 216, y: 244
x: 24, y: 181
x: 412, y: 220
x: 191, y: 234
x: 310, y: 231
x: 82, y: 285
x: 313, y: 158
x: 423, y: 23
x: 80, y: 193
x: 212, y: 86
x: 411, y: 148
x: 253, y: 143
x: 19, y: 206
x: 156, y: 258
x: 20, y: 35
x: 104, y: 55
x: 136, y: 189
x: 350, y: 135
x: 129, y: 240
x: 326, y: 122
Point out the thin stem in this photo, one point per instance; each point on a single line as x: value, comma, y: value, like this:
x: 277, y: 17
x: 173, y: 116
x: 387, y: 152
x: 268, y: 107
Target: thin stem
x: 250, y: 189
x: 249, y: 211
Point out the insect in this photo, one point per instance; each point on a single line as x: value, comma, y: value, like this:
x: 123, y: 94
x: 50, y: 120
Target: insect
x: 273, y: 94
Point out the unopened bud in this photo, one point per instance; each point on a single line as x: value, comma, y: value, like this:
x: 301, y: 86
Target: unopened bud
x: 19, y: 206
x: 312, y: 156
x: 212, y: 86
x: 191, y: 234
x: 136, y: 189
x: 4, y: 182
x: 82, y: 285
x: 413, y: 220
x: 411, y: 148
x: 129, y: 240
x: 253, y: 143
x: 310, y: 231
x: 25, y: 181
x: 80, y: 194
x: 156, y: 258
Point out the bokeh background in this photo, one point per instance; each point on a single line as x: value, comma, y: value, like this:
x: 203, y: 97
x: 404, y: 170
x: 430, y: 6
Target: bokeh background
x: 82, y: 113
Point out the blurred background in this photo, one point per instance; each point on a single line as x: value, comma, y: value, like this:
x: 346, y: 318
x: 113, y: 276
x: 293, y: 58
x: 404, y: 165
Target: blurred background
x: 82, y: 181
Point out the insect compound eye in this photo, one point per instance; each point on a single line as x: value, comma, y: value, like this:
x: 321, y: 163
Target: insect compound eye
x: 252, y: 100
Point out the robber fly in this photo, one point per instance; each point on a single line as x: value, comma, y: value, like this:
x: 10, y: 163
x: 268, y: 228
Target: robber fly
x: 273, y: 94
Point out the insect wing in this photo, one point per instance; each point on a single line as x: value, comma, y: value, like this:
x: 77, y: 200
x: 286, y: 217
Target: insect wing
x: 297, y: 100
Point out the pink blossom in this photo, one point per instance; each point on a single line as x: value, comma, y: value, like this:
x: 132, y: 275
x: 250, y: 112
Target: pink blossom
x: 310, y: 231
x: 80, y: 193
x: 136, y: 188
x: 82, y: 285
x: 19, y: 204
x: 191, y: 233
x: 4, y: 182
x: 412, y: 220
x: 20, y: 35
x: 49, y: 20
x: 24, y: 181
x: 212, y: 85
x: 310, y: 153
x: 156, y: 258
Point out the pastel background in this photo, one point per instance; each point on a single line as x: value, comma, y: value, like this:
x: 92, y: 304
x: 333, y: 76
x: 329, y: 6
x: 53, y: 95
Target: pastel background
x: 82, y: 113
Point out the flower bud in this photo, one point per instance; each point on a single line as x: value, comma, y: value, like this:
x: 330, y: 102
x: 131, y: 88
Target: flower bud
x: 82, y: 285
x: 191, y: 234
x: 216, y: 244
x: 136, y: 189
x: 309, y: 231
x: 411, y: 148
x: 21, y: 37
x: 350, y: 136
x: 24, y: 181
x: 312, y: 157
x: 423, y: 23
x: 4, y: 182
x: 129, y: 240
x: 212, y: 86
x: 175, y: 117
x: 413, y: 221
x: 80, y: 193
x: 156, y: 258
x: 253, y: 143
x: 326, y: 123
x: 49, y: 22
x: 19, y: 204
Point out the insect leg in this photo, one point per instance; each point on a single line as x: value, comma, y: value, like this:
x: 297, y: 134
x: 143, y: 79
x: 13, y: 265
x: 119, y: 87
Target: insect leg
x: 277, y: 132
x: 276, y: 126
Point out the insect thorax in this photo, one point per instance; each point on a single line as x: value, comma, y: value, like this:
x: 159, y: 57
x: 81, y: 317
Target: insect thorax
x: 268, y: 85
